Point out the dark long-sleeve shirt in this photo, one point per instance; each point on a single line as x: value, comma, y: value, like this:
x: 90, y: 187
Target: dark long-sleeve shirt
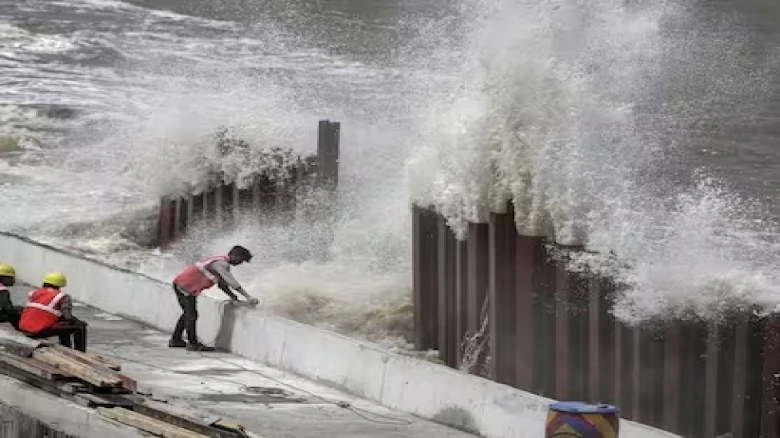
x: 5, y: 299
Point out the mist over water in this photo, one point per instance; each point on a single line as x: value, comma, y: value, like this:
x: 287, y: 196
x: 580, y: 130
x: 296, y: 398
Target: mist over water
x: 631, y: 129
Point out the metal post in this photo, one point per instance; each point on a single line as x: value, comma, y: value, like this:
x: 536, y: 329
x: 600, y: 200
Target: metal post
x: 328, y: 154
x: 425, y: 259
x: 503, y: 299
x: 164, y: 223
x: 190, y: 216
x: 447, y: 331
x: 462, y: 301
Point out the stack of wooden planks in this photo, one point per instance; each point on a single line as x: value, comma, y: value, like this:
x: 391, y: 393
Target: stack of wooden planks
x: 95, y: 382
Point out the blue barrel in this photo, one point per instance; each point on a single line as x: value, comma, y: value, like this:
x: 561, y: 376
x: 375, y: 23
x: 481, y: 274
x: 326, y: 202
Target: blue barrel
x: 582, y: 420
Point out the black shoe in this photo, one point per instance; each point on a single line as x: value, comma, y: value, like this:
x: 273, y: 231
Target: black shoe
x: 177, y: 343
x: 200, y: 347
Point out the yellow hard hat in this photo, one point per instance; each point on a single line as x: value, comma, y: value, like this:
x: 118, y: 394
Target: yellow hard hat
x: 7, y: 270
x: 55, y: 279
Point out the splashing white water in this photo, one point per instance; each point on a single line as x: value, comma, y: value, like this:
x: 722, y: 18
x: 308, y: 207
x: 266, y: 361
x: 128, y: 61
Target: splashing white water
x: 577, y: 113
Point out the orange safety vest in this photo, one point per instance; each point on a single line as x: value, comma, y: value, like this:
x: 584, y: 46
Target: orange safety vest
x: 197, y: 278
x: 42, y: 310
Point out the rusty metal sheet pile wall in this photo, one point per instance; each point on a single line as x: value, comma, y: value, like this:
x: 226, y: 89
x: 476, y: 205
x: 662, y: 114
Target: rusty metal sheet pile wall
x: 223, y: 204
x: 551, y: 332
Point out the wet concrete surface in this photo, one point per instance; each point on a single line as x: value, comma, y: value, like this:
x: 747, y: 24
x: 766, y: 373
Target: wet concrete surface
x: 268, y: 402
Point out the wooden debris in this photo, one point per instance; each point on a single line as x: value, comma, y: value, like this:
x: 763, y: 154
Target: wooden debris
x: 102, y: 400
x: 93, y: 381
x: 178, y: 416
x: 224, y: 423
x: 17, y: 343
x: 34, y: 366
x: 97, y: 377
x: 98, y: 363
x: 87, y: 358
x: 147, y: 424
x: 74, y: 387
x: 128, y: 383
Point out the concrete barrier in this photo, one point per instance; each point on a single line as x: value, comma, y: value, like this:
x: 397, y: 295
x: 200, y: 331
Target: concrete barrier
x: 425, y: 389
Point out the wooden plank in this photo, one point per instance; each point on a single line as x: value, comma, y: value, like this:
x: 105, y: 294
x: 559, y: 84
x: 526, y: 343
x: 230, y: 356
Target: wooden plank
x: 102, y: 400
x: 128, y: 383
x: 32, y: 366
x: 92, y: 375
x: 229, y: 425
x: 87, y: 358
x: 215, y: 427
x: 147, y: 424
x: 75, y: 387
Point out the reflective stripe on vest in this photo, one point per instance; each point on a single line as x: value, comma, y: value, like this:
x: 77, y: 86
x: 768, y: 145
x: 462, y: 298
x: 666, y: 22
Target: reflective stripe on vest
x: 202, y: 268
x: 51, y: 307
x: 196, y: 278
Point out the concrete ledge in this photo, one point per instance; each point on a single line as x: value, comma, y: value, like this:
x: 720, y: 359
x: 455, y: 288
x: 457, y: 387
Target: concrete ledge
x: 428, y: 390
x: 58, y: 414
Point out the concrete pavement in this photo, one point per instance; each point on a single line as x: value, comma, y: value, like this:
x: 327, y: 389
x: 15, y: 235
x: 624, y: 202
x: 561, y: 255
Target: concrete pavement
x: 268, y: 402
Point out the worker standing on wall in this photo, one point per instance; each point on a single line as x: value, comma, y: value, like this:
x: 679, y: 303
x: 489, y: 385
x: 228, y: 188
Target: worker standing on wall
x: 196, y: 278
x: 8, y: 312
x: 49, y: 312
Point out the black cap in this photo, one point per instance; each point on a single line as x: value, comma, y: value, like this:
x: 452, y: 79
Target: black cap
x: 241, y: 252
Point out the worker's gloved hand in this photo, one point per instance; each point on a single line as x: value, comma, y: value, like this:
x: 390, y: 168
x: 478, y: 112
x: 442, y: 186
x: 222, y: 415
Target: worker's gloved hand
x: 253, y: 301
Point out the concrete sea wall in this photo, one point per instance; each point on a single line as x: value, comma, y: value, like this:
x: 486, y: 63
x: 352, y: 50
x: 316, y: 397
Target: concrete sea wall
x: 26, y: 412
x: 425, y: 389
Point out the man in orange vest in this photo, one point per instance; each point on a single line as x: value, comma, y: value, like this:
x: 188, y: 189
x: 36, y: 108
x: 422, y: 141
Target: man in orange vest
x: 49, y: 312
x: 196, y: 278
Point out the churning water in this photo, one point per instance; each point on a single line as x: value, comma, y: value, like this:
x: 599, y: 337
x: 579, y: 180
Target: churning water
x: 644, y: 131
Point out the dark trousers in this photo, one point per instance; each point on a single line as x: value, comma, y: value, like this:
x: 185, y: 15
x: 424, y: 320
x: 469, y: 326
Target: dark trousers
x: 189, y: 318
x: 66, y: 329
x: 11, y: 316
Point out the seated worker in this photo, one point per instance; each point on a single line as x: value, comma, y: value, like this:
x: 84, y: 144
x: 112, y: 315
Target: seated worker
x: 196, y: 278
x: 8, y: 312
x: 49, y: 312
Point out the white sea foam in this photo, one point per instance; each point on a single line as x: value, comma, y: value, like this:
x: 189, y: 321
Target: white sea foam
x: 577, y: 113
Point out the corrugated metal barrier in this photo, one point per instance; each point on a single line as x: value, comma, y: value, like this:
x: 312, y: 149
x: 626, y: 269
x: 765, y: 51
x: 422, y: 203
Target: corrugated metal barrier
x: 550, y: 331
